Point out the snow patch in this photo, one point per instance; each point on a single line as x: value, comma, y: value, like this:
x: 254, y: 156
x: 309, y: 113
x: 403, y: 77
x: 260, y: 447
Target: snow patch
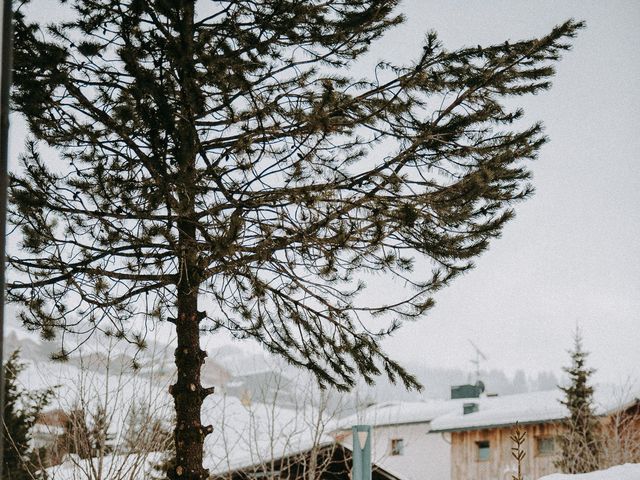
x: 628, y: 471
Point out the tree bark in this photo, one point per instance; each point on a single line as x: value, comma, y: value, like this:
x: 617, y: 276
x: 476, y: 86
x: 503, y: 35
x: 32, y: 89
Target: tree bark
x: 187, y: 392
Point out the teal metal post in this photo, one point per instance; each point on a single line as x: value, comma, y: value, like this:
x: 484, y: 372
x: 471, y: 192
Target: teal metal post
x: 361, y: 469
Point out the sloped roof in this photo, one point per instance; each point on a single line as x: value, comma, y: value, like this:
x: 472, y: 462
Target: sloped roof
x: 398, y: 413
x: 132, y: 467
x: 264, y: 450
x: 304, y: 446
x: 532, y: 407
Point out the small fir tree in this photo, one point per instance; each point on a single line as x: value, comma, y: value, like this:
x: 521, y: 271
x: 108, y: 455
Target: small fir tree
x: 75, y: 437
x: 580, y: 441
x: 145, y: 432
x: 21, y: 411
x: 100, y: 438
x: 86, y: 433
x: 167, y: 461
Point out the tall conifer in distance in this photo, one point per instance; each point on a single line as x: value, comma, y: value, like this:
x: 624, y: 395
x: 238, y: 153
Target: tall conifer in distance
x: 21, y: 410
x: 580, y: 441
x: 220, y: 165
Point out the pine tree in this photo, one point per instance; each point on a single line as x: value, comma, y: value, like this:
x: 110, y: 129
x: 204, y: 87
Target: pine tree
x: 86, y: 432
x: 145, y: 432
x: 21, y: 410
x: 223, y: 158
x: 580, y: 441
x: 100, y: 438
x: 76, y: 437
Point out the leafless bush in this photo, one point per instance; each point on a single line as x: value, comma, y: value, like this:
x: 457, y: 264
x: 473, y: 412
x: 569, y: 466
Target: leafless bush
x: 277, y: 442
x: 580, y: 442
x: 621, y: 432
x: 116, y: 421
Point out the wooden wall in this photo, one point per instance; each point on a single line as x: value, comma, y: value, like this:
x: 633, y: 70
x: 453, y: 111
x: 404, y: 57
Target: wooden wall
x: 501, y: 465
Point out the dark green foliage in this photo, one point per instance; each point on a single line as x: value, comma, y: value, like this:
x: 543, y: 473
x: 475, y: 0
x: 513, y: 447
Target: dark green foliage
x: 100, y: 439
x: 21, y: 410
x: 76, y: 438
x: 160, y: 440
x: 580, y: 441
x: 226, y: 157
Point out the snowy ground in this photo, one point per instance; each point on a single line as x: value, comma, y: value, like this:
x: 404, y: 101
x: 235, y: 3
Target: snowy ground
x: 628, y: 471
x: 246, y: 431
x: 111, y: 467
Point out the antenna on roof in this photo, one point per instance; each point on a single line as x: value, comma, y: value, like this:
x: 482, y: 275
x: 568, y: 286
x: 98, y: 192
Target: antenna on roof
x: 476, y: 362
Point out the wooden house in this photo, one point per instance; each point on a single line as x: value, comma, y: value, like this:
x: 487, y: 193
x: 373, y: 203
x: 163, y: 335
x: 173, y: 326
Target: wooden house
x: 327, y: 461
x: 479, y: 432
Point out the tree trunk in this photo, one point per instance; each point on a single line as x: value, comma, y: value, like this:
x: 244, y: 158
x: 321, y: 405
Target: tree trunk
x: 187, y: 392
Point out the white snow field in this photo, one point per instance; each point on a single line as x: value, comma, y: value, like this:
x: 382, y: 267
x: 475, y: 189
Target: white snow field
x: 245, y: 432
x: 628, y: 471
x: 110, y: 467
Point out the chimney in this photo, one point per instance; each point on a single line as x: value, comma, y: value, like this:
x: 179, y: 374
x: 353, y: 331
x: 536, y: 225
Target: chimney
x: 467, y: 391
x: 470, y: 407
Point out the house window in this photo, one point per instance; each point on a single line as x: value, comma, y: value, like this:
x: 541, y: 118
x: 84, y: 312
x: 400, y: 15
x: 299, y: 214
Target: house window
x: 397, y: 446
x: 484, y: 450
x: 545, y: 445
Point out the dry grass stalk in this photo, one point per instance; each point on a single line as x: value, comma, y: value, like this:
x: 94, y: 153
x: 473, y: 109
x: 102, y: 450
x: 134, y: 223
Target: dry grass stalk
x: 518, y: 438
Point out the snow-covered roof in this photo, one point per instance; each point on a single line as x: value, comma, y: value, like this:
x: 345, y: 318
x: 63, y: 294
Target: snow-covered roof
x: 296, y: 445
x: 398, y: 413
x: 628, y: 471
x: 532, y: 407
x: 248, y: 435
x: 243, y: 435
x: 448, y: 415
x: 112, y: 467
x: 263, y: 452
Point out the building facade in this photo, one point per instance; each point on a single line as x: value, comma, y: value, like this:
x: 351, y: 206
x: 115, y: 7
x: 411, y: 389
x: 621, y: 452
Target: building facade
x: 480, y: 434
x: 486, y: 453
x: 402, y: 438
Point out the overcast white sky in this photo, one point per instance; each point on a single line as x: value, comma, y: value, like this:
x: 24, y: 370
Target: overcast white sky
x: 571, y: 255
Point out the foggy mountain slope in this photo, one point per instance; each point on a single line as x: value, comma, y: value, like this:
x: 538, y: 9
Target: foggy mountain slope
x: 260, y: 377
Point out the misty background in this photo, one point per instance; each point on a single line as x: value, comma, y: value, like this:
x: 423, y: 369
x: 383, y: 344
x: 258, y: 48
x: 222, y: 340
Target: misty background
x: 570, y: 257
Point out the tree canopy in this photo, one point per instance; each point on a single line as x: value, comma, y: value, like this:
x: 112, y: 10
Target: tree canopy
x: 224, y: 156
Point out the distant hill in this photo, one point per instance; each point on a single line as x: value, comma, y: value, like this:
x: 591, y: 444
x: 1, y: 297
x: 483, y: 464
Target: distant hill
x: 261, y: 377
